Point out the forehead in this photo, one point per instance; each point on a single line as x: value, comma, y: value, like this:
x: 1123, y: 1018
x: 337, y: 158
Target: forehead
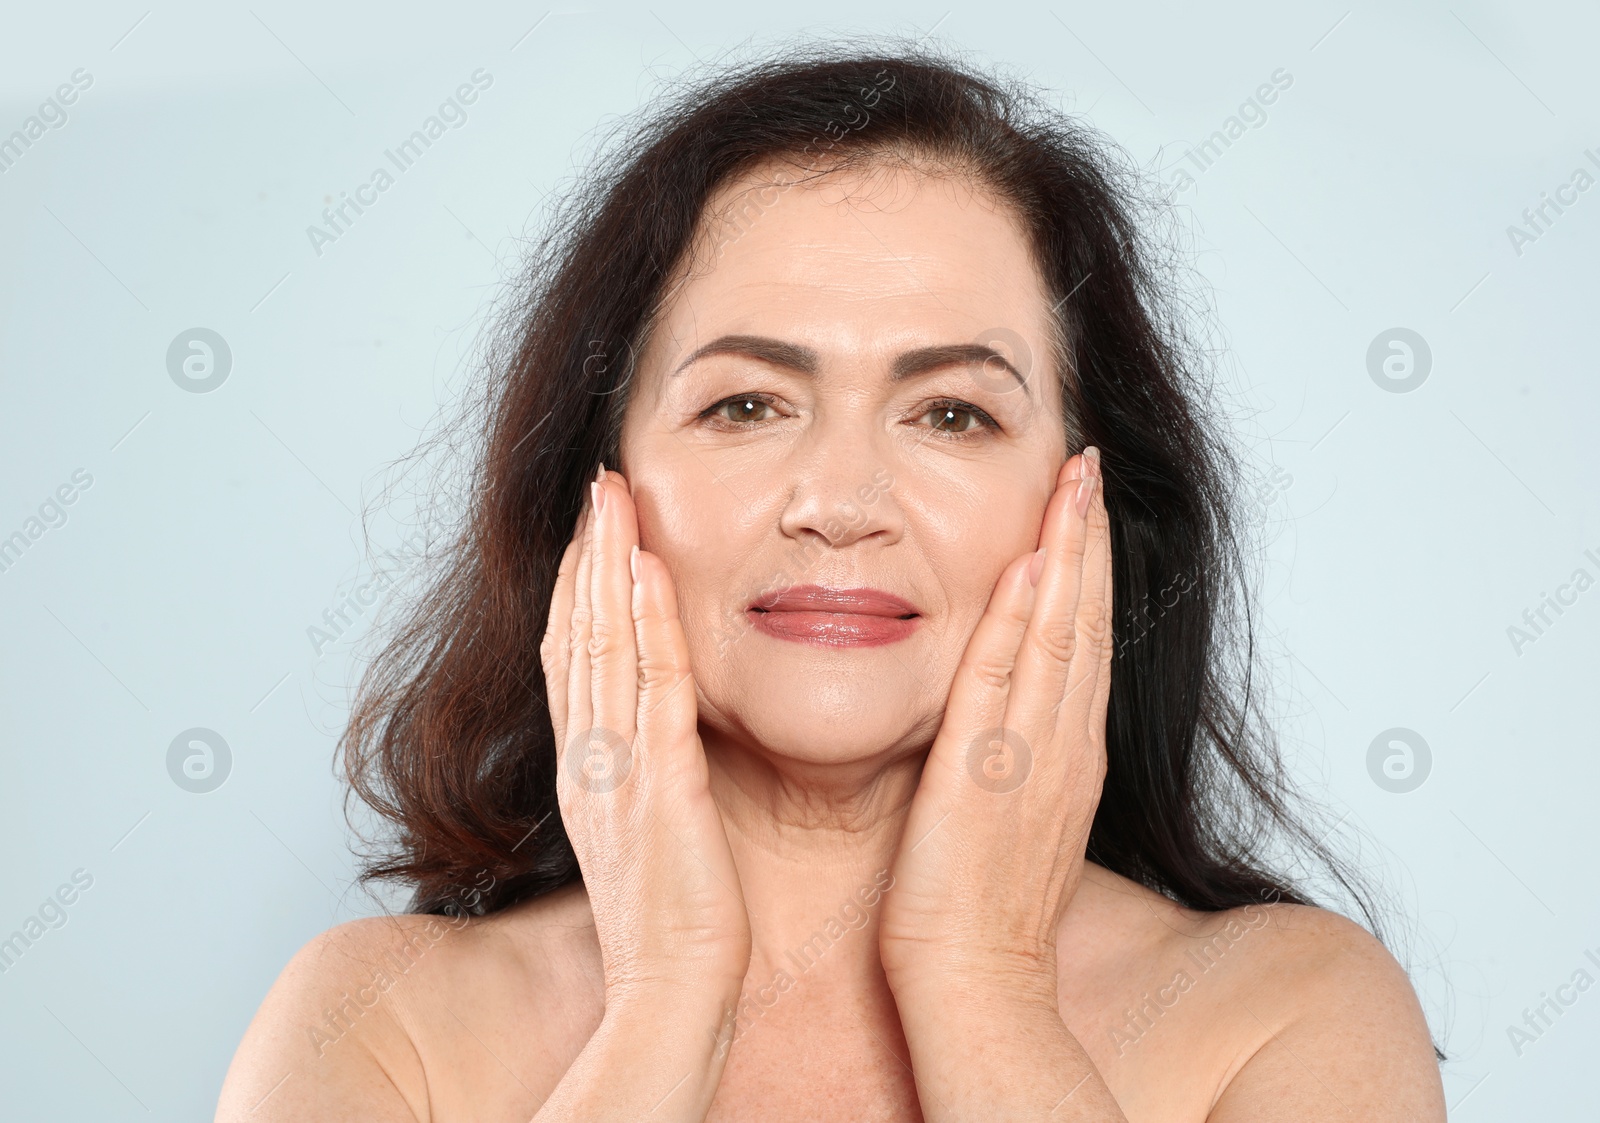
x: 862, y: 261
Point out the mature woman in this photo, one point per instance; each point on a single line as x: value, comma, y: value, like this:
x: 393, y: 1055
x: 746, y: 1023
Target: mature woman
x: 827, y: 711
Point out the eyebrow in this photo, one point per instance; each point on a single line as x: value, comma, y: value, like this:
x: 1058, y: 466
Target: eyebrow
x: 803, y: 360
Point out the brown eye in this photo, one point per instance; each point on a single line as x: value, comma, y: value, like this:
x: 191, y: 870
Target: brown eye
x: 742, y: 409
x: 952, y: 418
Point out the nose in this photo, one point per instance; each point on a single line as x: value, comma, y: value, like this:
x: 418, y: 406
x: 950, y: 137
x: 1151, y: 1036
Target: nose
x: 844, y: 489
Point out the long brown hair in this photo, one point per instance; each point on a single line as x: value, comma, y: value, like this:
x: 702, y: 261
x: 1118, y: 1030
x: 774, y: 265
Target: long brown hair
x: 450, y: 739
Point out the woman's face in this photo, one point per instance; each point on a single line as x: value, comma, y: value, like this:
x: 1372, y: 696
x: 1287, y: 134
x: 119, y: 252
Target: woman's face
x: 815, y: 415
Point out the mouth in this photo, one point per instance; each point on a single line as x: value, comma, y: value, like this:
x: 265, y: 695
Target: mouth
x: 857, y: 617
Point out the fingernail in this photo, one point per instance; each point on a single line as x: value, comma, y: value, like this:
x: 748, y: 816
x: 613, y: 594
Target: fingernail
x: 600, y: 476
x: 1036, y: 567
x: 1091, y: 457
x: 633, y: 562
x: 597, y: 497
x: 1082, y: 502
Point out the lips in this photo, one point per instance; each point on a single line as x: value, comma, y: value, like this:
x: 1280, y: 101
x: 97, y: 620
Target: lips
x: 858, y: 617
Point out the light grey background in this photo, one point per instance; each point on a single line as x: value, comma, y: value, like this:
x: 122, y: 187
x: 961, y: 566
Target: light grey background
x: 1413, y: 530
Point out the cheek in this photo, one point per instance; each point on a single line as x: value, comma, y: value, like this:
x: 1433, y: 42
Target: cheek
x: 667, y: 525
x: 699, y: 530
x: 970, y: 534
x: 692, y: 523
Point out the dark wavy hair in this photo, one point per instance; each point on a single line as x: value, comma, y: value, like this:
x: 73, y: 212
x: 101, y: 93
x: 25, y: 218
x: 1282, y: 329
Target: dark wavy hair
x: 450, y: 738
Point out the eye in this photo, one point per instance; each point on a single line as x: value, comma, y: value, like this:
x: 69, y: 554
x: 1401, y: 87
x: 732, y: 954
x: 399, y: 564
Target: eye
x: 958, y: 418
x: 742, y: 408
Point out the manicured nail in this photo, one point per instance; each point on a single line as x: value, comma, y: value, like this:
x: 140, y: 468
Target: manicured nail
x: 1091, y: 459
x: 633, y: 562
x: 600, y: 476
x: 1036, y: 567
x: 1084, y: 490
x: 597, y: 497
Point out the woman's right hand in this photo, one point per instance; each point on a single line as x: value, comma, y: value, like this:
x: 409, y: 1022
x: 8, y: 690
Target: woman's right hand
x: 632, y: 781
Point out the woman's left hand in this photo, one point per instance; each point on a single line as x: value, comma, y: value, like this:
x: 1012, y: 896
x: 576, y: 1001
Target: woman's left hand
x: 994, y: 844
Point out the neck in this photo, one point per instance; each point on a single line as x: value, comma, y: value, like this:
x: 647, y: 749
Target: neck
x: 814, y: 844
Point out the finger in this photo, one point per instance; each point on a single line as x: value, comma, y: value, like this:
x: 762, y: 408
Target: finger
x: 1095, y: 617
x: 1046, y: 655
x: 983, y: 678
x: 553, y: 652
x: 1089, y: 678
x: 668, y: 713
x: 579, y: 712
x: 613, y: 659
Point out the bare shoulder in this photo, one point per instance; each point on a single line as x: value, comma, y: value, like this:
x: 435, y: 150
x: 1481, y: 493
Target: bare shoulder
x: 1265, y: 1011
x: 1331, y: 1025
x: 365, y: 1019
x: 327, y: 1039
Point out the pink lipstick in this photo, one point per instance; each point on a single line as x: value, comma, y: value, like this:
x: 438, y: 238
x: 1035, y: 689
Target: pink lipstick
x: 834, y: 617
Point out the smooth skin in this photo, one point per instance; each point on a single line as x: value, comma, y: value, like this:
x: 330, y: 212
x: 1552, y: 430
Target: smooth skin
x: 730, y: 953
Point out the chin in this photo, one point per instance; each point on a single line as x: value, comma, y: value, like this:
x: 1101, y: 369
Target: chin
x: 821, y: 707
